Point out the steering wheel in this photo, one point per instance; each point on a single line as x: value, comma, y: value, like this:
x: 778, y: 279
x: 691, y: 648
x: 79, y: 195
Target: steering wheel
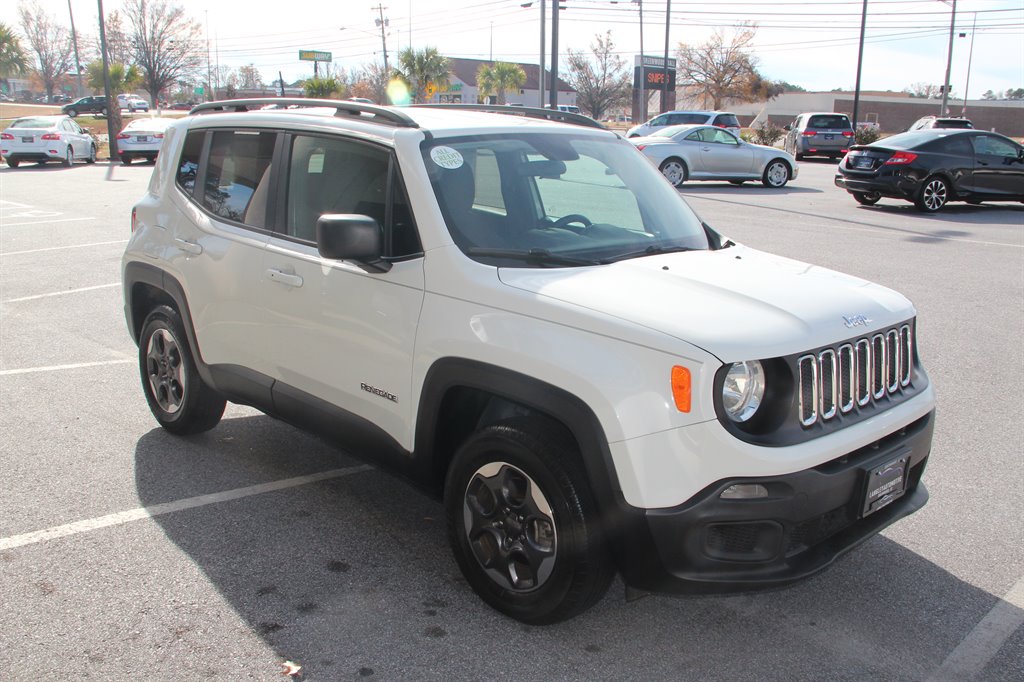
x: 566, y: 220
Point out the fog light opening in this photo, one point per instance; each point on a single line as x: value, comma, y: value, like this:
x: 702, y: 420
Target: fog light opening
x: 744, y: 491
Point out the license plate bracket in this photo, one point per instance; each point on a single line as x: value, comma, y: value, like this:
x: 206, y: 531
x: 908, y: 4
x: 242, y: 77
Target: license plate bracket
x: 862, y: 162
x: 885, y: 483
x: 142, y: 138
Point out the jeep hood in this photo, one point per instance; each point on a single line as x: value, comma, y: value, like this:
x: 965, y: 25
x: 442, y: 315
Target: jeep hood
x: 736, y: 303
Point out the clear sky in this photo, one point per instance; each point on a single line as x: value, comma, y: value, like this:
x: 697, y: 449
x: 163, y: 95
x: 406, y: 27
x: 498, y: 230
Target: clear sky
x: 812, y: 44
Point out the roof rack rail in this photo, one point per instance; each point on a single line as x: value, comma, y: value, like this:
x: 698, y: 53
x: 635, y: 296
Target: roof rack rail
x: 378, y: 114
x: 528, y: 112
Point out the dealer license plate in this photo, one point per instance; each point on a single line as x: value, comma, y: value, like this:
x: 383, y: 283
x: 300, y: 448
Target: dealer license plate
x: 862, y: 162
x: 28, y: 139
x: 886, y: 484
x: 142, y: 138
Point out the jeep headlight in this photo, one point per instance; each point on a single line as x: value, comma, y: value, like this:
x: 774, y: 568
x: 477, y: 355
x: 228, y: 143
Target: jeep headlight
x: 743, y: 390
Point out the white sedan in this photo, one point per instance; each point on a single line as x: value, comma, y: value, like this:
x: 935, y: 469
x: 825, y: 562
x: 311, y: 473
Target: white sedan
x: 142, y: 138
x: 46, y: 138
x: 703, y: 152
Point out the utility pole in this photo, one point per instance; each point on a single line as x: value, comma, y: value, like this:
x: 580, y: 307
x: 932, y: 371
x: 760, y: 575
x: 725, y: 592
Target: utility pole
x: 664, y: 86
x: 382, y: 22
x: 78, y: 63
x: 949, y: 61
x: 860, y: 61
x: 209, y: 69
x: 111, y: 103
x: 555, y: 7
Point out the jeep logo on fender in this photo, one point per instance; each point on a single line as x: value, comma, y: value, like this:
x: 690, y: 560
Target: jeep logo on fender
x: 380, y: 392
x: 852, y: 321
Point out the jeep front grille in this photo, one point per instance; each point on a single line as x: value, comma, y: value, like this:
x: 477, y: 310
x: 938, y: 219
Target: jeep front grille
x: 836, y: 380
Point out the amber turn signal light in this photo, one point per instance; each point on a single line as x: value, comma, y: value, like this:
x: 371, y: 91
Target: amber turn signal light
x: 681, y: 388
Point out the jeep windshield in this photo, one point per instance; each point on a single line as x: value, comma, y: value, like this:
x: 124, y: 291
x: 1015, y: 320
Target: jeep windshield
x: 556, y: 200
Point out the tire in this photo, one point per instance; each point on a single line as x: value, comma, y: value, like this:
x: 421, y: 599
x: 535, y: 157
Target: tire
x: 523, y: 524
x: 103, y: 112
x: 92, y: 154
x: 69, y: 157
x: 178, y: 397
x: 776, y: 174
x: 934, y: 194
x: 866, y: 198
x: 13, y: 163
x: 798, y: 157
x: 72, y: 112
x: 675, y: 171
x: 126, y: 160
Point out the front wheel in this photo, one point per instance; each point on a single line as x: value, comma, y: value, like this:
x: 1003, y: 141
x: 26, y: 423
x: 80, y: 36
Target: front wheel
x: 69, y: 157
x: 72, y: 112
x: 523, y: 524
x: 92, y: 154
x: 674, y: 171
x: 866, y: 198
x: 776, y: 174
x: 933, y: 196
x: 178, y: 397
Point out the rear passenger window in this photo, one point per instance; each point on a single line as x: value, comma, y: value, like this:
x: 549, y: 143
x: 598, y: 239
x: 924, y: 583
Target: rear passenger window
x: 237, y: 175
x: 189, y: 162
x: 824, y: 122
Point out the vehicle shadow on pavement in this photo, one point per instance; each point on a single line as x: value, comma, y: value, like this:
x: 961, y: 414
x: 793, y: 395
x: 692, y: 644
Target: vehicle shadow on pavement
x: 753, y: 186
x: 352, y: 577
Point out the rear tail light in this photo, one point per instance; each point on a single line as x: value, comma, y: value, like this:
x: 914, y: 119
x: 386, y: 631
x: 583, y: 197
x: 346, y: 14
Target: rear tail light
x: 134, y: 220
x: 6, y: 136
x: 123, y: 136
x: 721, y: 125
x: 159, y: 136
x: 51, y: 136
x: 900, y: 158
x: 809, y: 133
x: 847, y: 133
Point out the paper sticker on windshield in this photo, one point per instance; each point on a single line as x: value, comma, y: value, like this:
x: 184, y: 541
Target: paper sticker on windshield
x: 446, y: 157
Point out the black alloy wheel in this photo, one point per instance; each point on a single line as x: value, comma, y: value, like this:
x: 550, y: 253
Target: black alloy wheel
x: 523, y: 524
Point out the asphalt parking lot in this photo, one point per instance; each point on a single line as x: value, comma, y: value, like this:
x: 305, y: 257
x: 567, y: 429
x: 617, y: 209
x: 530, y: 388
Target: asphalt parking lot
x: 130, y: 554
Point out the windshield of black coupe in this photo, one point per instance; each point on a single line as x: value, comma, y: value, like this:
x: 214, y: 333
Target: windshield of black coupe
x: 556, y: 199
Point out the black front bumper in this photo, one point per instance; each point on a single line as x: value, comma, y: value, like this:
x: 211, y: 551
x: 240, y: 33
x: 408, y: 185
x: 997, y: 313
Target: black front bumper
x: 809, y: 519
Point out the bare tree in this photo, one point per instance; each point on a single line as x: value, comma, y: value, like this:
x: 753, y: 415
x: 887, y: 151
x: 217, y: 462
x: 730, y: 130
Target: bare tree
x: 371, y: 82
x: 50, y: 42
x: 602, y: 84
x: 119, y: 43
x: 923, y: 90
x: 249, y: 77
x: 167, y: 43
x: 719, y: 70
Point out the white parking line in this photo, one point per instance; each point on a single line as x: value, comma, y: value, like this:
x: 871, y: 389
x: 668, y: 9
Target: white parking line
x: 57, y: 368
x: 46, y: 222
x: 61, y: 248
x: 120, y: 518
x: 981, y: 645
x: 61, y: 293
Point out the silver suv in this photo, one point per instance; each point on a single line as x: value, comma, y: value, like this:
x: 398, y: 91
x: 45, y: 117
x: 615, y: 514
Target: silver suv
x: 525, y: 319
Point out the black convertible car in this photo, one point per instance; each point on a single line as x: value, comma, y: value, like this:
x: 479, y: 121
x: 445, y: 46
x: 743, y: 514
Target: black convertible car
x: 933, y: 167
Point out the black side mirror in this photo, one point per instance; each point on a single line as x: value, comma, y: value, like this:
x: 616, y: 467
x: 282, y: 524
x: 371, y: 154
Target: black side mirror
x: 344, y: 236
x: 787, y: 127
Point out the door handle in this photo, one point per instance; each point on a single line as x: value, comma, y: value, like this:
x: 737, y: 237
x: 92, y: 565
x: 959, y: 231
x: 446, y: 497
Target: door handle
x: 188, y: 247
x: 705, y: 149
x: 284, y: 278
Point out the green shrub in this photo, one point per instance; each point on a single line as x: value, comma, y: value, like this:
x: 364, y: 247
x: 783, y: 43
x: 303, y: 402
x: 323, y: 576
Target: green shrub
x: 768, y: 134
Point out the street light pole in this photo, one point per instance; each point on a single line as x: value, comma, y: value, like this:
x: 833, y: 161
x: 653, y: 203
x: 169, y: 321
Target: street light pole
x: 664, y: 86
x: 970, y: 58
x: 949, y: 60
x: 555, y: 7
x: 74, y: 40
x: 643, y: 67
x: 860, y: 62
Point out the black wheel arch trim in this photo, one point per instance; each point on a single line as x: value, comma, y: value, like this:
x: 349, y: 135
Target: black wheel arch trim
x: 625, y: 526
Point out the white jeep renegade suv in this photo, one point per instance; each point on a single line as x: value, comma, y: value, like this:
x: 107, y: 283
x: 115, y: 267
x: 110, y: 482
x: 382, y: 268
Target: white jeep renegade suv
x: 524, y: 317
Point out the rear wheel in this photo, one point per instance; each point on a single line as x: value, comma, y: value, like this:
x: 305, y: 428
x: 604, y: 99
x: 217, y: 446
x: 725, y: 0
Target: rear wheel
x: 13, y: 163
x: 523, y: 523
x: 776, y: 174
x: 933, y: 196
x: 72, y: 112
x: 674, y: 171
x: 126, y: 160
x: 866, y: 198
x: 178, y: 397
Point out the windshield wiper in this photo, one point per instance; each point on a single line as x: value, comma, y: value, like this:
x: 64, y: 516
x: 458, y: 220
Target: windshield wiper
x: 538, y: 256
x: 649, y: 251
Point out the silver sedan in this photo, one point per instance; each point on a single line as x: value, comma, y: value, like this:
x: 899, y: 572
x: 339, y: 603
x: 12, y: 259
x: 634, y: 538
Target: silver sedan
x: 46, y: 138
x: 703, y: 152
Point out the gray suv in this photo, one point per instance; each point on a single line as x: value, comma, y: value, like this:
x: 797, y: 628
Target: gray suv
x: 819, y: 134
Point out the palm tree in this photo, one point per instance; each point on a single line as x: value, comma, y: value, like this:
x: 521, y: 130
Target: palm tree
x: 418, y: 68
x: 13, y: 60
x: 499, y: 77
